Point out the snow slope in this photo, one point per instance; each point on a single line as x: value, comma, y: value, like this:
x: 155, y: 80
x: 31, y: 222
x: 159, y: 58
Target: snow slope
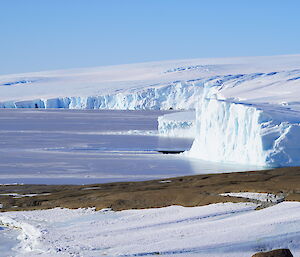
x: 248, y: 109
x: 223, y: 230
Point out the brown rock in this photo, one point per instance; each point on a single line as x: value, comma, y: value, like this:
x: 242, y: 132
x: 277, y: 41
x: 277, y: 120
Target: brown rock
x: 275, y: 253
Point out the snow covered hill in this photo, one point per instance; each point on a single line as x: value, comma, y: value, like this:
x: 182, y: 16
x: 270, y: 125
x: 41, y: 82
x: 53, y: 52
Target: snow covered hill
x: 248, y: 109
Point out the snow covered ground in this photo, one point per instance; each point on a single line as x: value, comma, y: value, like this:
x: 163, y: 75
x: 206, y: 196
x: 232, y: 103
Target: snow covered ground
x: 223, y: 230
x: 8, y: 241
x: 240, y: 102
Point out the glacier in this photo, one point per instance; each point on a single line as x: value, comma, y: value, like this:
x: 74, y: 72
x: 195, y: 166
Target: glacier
x: 247, y: 109
x: 178, y: 95
x: 244, y: 133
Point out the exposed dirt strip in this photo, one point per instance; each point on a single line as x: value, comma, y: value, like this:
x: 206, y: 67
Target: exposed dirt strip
x: 186, y: 191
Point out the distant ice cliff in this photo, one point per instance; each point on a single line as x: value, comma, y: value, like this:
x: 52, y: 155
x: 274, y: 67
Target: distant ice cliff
x: 180, y: 124
x: 179, y: 95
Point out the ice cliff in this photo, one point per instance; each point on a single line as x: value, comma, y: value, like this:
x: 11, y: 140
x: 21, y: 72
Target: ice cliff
x: 177, y: 95
x: 246, y: 133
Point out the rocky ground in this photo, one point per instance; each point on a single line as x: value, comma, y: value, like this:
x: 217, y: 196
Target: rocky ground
x: 186, y: 191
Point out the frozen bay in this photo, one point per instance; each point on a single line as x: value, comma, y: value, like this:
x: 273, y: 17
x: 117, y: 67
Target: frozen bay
x: 91, y: 146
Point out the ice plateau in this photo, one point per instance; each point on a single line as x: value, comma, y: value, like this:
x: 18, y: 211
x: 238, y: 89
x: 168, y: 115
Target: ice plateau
x: 247, y: 109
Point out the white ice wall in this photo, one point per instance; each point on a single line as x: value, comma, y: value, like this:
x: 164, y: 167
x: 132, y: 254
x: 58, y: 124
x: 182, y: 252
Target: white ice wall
x: 243, y: 133
x: 178, y: 95
x: 227, y: 132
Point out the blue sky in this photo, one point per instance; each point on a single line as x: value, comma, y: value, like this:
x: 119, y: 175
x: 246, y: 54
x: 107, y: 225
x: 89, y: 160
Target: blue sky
x: 56, y: 34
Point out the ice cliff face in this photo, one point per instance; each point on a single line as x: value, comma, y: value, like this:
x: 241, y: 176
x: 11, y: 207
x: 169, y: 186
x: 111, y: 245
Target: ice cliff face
x: 181, y: 124
x: 244, y: 133
x: 178, y: 95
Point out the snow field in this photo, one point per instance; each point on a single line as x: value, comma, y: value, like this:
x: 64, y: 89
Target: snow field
x: 224, y: 229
